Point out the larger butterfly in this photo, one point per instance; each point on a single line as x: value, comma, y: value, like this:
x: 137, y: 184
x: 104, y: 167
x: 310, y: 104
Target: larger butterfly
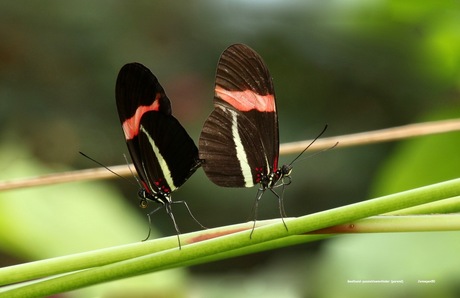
x: 239, y: 143
x: 163, y: 153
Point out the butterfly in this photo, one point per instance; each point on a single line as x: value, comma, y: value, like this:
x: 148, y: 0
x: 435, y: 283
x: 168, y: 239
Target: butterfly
x: 163, y: 153
x: 239, y: 142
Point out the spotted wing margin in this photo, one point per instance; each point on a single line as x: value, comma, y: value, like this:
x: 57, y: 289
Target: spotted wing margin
x: 137, y: 86
x: 228, y: 149
x: 168, y: 154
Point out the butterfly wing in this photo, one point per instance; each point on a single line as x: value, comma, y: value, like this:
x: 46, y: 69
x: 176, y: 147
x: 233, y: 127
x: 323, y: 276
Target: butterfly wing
x: 169, y: 156
x: 239, y: 141
x: 163, y: 153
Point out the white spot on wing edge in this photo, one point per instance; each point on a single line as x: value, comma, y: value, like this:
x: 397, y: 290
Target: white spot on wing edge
x: 240, y: 152
x: 161, y: 161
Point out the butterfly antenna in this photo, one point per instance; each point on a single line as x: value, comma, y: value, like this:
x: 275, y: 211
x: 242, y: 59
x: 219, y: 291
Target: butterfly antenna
x: 104, y: 166
x: 309, y: 145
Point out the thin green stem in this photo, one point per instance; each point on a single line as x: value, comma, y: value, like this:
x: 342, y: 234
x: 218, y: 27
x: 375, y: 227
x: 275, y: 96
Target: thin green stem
x: 393, y: 224
x: 450, y: 205
x: 269, y: 236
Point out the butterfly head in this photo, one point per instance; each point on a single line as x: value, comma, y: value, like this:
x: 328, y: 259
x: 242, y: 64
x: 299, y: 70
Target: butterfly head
x: 276, y: 178
x: 284, y: 171
x: 282, y: 176
x: 158, y: 197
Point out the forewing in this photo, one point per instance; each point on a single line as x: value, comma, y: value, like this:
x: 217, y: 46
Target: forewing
x: 244, y: 121
x: 138, y: 87
x: 137, y: 92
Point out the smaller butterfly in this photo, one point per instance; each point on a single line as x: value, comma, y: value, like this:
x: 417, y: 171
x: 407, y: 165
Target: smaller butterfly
x: 163, y: 153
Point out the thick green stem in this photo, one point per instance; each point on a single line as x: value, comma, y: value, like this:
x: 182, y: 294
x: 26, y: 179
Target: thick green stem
x: 130, y: 261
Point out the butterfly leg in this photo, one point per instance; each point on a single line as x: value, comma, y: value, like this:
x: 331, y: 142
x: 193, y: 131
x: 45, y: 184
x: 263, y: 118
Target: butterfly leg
x: 149, y: 215
x: 281, y: 205
x: 255, y: 208
x: 281, y: 202
x: 171, y: 215
x: 190, y: 212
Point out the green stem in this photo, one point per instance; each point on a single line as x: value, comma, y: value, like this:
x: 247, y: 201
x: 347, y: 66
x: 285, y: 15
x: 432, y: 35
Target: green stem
x: 450, y: 205
x: 268, y: 236
x: 393, y: 224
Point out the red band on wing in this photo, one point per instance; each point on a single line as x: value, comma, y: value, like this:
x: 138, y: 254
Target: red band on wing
x: 275, y: 164
x: 131, y: 125
x: 247, y: 100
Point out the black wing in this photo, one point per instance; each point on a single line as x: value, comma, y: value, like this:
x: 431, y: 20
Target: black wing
x: 169, y: 156
x: 239, y: 142
x: 162, y: 151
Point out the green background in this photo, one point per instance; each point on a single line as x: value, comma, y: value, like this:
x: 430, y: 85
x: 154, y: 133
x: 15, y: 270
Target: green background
x: 355, y: 65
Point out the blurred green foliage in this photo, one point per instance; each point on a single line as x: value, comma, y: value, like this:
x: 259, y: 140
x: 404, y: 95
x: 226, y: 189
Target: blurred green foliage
x: 356, y: 65
x: 421, y: 161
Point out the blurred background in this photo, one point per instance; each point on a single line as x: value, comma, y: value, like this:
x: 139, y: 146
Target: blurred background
x: 355, y: 65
